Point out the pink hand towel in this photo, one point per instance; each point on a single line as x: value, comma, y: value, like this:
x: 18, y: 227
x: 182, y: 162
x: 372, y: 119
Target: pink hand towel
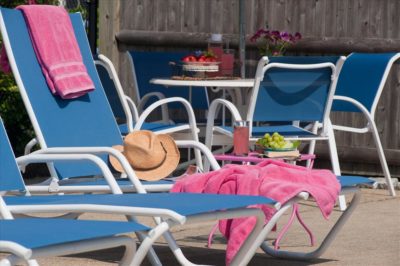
x: 57, y: 50
x: 274, y: 179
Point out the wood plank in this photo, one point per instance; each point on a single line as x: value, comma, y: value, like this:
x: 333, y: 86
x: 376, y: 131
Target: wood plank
x: 330, y: 18
x: 109, y: 23
x: 358, y: 154
x: 352, y: 26
x: 342, y: 9
x: 319, y: 19
x: 363, y: 11
x: 376, y: 18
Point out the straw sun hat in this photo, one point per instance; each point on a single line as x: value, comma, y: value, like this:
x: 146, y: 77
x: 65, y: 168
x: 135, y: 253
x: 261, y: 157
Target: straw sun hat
x: 152, y: 156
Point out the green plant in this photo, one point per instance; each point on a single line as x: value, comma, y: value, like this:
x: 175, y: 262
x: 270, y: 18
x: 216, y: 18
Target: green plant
x: 14, y: 114
x: 12, y: 109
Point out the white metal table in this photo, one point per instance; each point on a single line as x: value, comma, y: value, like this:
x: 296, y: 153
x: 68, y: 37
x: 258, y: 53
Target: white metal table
x: 233, y: 85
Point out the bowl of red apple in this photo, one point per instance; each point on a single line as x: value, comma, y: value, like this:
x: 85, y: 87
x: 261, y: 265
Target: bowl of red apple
x: 200, y: 62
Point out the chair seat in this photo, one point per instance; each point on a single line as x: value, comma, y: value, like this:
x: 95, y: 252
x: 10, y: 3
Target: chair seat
x: 183, y: 203
x: 284, y: 130
x: 148, y: 126
x: 35, y: 232
x: 353, y: 181
x: 103, y: 182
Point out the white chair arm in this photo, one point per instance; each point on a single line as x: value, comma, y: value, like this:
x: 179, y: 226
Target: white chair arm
x: 185, y: 103
x: 200, y: 146
x: 99, y: 150
x: 44, y: 158
x: 214, y: 107
x: 361, y: 107
x: 160, y: 96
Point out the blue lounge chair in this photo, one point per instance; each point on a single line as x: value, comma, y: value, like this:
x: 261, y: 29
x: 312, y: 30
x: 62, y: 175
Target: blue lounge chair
x: 174, y: 208
x: 360, y: 85
x: 291, y: 96
x: 86, y: 123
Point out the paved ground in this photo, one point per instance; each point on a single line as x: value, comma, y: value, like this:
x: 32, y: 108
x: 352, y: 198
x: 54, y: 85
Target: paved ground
x: 370, y: 237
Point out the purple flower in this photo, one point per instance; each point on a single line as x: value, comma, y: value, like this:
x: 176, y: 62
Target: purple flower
x: 274, y: 42
x: 297, y: 36
x: 285, y: 36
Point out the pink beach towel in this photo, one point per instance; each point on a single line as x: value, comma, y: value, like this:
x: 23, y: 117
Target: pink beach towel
x: 274, y: 179
x: 57, y: 50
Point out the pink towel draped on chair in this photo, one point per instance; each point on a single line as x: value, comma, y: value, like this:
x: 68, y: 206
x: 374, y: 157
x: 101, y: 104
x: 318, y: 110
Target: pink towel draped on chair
x: 274, y: 179
x: 57, y: 50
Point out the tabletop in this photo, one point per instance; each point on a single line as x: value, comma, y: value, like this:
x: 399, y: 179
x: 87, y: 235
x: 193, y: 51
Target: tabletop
x: 227, y: 83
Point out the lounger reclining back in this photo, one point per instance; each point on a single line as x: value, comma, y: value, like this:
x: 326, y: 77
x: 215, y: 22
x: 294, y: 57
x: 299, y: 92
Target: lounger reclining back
x: 82, y: 122
x: 10, y: 177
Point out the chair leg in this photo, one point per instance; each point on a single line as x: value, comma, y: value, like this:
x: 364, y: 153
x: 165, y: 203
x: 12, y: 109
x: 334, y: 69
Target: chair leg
x: 335, y: 161
x: 325, y: 243
x: 382, y: 158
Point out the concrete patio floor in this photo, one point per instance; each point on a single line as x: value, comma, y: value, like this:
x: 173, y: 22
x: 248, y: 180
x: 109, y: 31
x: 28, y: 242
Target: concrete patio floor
x: 370, y: 237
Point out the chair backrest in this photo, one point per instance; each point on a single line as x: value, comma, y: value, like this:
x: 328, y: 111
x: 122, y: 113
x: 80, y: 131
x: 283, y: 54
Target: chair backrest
x: 82, y: 122
x: 111, y: 92
x: 10, y: 176
x: 151, y: 64
x: 287, y: 93
x: 362, y: 78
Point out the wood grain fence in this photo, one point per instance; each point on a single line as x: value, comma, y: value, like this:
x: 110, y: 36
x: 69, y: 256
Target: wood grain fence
x: 327, y: 26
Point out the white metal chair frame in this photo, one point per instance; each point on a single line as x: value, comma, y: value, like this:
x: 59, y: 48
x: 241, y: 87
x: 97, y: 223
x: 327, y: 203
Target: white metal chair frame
x: 132, y: 113
x: 169, y: 218
x: 371, y: 125
x: 263, y: 66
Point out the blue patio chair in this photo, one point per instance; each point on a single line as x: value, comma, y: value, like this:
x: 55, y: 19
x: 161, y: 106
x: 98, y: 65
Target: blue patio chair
x: 152, y: 64
x: 175, y: 208
x: 126, y: 113
x: 360, y: 85
x: 86, y: 122
x: 291, y: 96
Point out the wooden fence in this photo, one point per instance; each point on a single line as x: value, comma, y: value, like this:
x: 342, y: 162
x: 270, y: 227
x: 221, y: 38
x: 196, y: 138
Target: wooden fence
x: 327, y: 26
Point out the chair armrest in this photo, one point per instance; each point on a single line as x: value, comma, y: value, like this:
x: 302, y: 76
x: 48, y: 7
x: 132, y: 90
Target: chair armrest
x: 212, y: 112
x: 185, y: 103
x: 159, y: 96
x: 45, y: 158
x: 359, y: 106
x: 200, y: 146
x: 134, y: 112
x: 95, y: 151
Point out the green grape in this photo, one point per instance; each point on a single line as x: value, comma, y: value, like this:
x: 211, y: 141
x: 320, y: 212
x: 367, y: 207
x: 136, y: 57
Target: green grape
x: 266, y: 135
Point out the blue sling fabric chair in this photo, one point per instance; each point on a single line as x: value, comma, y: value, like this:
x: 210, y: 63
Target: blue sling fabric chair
x: 175, y: 208
x: 125, y: 110
x: 155, y: 64
x: 360, y: 85
x: 86, y: 122
x: 291, y: 96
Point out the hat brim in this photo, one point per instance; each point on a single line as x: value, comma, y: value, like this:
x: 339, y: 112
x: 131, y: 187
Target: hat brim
x: 163, y: 170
